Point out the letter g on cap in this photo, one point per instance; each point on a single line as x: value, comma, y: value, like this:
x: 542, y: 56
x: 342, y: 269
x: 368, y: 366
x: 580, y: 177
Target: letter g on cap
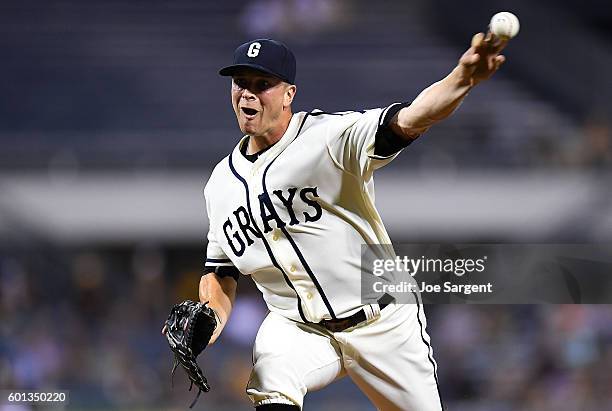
x: 253, y: 50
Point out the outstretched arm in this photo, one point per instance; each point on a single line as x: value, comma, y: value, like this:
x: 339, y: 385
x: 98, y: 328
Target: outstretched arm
x: 442, y: 98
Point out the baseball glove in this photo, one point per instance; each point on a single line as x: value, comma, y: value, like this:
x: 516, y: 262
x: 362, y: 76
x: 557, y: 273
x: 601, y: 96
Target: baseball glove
x: 188, y: 330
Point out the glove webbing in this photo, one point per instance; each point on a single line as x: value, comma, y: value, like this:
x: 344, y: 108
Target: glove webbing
x: 203, y: 383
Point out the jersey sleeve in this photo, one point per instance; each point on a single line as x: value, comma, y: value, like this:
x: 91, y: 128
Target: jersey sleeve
x: 216, y: 259
x: 369, y: 143
x: 387, y: 142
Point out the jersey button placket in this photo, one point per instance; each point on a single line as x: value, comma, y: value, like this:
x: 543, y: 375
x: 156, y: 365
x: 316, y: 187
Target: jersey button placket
x: 254, y: 169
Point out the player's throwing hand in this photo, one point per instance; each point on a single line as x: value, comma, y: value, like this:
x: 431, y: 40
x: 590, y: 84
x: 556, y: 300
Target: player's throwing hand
x: 483, y: 58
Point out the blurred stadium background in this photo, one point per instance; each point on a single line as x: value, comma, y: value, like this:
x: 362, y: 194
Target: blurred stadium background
x: 112, y: 115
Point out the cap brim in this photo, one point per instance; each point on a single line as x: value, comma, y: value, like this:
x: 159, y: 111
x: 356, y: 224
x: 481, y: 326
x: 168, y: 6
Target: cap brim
x: 231, y: 70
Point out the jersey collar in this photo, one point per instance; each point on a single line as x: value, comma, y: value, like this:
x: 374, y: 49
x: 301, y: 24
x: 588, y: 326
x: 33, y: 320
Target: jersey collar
x: 245, y: 167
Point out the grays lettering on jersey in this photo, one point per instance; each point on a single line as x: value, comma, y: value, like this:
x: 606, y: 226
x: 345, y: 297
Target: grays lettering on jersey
x: 296, y: 217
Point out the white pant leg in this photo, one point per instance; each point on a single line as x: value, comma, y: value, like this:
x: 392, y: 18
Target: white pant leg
x: 290, y: 359
x: 391, y: 360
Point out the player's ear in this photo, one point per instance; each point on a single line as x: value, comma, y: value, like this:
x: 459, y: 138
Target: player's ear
x: 290, y: 91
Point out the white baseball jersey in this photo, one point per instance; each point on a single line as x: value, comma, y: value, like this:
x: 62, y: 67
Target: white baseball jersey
x: 295, y: 219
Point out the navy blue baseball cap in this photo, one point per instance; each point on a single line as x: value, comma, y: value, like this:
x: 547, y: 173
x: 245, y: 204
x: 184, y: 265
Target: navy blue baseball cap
x: 269, y: 56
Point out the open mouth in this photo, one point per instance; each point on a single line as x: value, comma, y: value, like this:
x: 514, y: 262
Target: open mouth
x: 249, y: 111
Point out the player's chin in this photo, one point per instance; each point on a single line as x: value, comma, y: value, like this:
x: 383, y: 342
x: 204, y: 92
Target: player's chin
x: 247, y: 127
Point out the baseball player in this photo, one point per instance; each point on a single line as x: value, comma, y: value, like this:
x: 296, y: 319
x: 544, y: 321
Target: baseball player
x: 291, y: 206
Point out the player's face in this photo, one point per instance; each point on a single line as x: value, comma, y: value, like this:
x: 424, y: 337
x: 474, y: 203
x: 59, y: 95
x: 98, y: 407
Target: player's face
x: 262, y: 103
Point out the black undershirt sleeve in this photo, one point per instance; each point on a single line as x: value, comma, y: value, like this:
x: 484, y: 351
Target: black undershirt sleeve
x: 387, y: 142
x: 223, y: 271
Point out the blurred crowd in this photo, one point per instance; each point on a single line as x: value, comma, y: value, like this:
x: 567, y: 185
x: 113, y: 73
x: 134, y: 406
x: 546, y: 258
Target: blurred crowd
x: 89, y: 322
x: 524, y: 357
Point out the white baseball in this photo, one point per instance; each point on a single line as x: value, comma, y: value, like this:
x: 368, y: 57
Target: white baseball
x: 504, y: 24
